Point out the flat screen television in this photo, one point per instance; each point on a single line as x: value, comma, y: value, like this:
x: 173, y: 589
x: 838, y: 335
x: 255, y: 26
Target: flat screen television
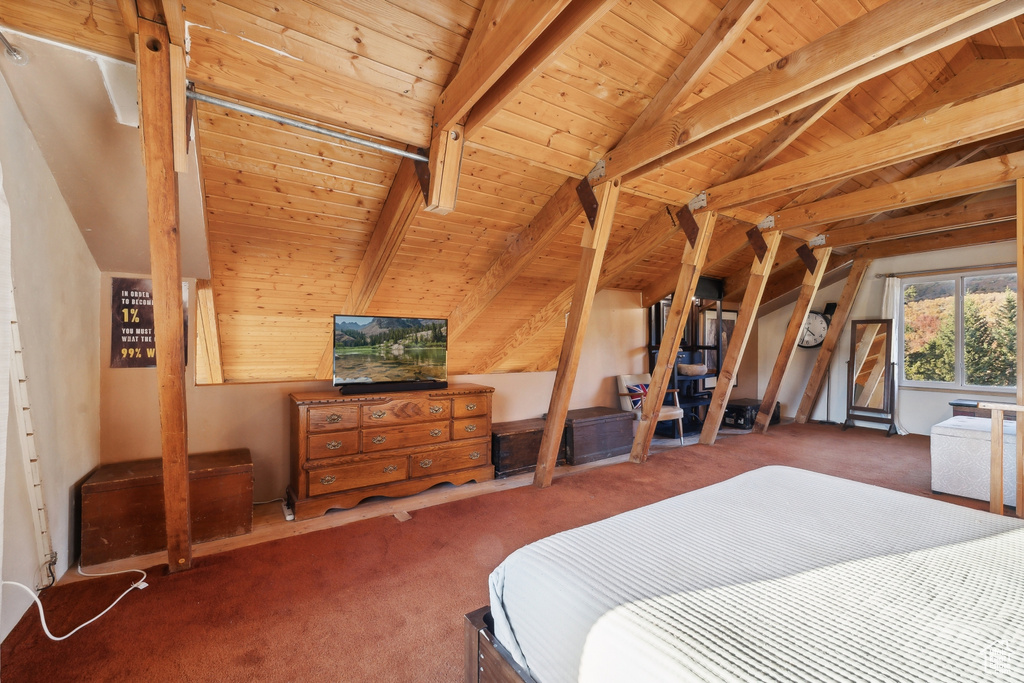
x: 378, y: 353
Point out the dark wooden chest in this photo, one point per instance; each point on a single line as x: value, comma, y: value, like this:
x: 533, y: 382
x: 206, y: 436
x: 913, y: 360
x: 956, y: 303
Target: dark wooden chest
x: 597, y: 433
x: 515, y: 445
x: 123, y: 504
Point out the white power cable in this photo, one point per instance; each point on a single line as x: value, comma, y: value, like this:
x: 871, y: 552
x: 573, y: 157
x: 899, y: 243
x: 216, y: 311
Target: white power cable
x: 140, y: 584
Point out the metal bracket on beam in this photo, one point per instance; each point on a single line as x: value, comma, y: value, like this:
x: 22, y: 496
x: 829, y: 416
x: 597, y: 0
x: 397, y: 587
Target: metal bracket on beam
x: 757, y: 242
x: 818, y: 241
x: 688, y: 224
x: 767, y: 224
x: 805, y: 254
x: 588, y: 199
x: 423, y: 174
x: 597, y: 172
x: 699, y: 202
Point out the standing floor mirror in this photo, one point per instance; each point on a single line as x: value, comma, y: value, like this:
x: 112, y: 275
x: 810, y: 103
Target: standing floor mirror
x: 871, y: 374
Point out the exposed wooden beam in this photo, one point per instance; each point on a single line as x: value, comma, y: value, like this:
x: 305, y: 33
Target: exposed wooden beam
x: 174, y: 17
x: 984, y: 117
x: 739, y: 108
x: 692, y: 262
x: 575, y: 20
x: 557, y: 214
x: 504, y: 30
x: 211, y: 370
x: 740, y: 335
x: 835, y: 331
x: 785, y: 132
x: 154, y: 73
x: 130, y: 16
x: 714, y: 42
x: 660, y: 228
x: 980, y: 176
x: 989, y: 208
x: 404, y: 201
x: 809, y: 287
x: 789, y: 276
x: 595, y: 241
x: 938, y: 241
x: 325, y: 367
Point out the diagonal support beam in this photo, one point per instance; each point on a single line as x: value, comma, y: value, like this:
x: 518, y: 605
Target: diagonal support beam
x: 835, y: 331
x: 595, y: 241
x: 692, y: 263
x: 759, y: 273
x: 809, y: 287
x: 209, y: 368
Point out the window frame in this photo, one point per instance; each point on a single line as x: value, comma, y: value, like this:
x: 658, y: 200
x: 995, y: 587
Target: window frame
x: 959, y: 371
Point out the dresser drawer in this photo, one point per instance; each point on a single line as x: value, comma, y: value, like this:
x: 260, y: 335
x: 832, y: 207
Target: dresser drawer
x: 403, y: 411
x: 469, y: 406
x: 332, y: 444
x: 471, y: 428
x: 418, y: 434
x: 330, y: 418
x: 357, y: 475
x: 460, y: 457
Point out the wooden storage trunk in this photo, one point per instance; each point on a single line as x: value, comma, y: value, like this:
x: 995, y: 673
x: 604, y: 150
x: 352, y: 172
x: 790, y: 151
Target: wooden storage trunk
x: 597, y: 433
x: 123, y: 504
x: 515, y: 445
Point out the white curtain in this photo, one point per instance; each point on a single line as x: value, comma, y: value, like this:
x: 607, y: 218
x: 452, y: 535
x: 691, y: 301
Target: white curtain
x: 892, y: 303
x: 6, y: 315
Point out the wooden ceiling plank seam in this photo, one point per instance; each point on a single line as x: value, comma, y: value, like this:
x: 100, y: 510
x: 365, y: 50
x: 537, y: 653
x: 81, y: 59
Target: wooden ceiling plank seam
x: 889, y: 36
x: 219, y: 62
x: 324, y: 38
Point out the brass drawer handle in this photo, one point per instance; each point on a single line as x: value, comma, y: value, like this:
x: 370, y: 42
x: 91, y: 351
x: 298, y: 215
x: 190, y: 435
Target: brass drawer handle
x: 434, y: 410
x: 378, y: 414
x: 390, y: 468
x: 379, y: 439
x: 435, y: 432
x: 333, y: 445
x: 426, y: 463
x: 474, y: 455
x: 333, y: 417
x: 329, y: 479
x: 470, y: 428
x: 470, y: 406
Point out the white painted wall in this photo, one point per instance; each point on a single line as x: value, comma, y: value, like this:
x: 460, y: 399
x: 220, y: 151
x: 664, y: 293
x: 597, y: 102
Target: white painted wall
x: 917, y: 409
x: 255, y: 416
x: 56, y: 293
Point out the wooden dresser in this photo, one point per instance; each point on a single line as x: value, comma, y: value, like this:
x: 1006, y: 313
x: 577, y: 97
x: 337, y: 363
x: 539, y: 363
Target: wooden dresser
x: 347, y: 448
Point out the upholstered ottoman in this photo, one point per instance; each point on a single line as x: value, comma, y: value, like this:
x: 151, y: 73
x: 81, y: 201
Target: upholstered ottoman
x: 962, y: 456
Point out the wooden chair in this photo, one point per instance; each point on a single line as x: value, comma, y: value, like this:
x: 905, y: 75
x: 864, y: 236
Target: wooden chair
x: 633, y: 400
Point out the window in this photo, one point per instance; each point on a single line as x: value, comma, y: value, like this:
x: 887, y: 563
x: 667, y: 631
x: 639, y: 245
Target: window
x: 960, y: 331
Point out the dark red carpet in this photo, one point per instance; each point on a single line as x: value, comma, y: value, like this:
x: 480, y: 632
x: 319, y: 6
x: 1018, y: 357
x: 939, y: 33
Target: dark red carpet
x: 382, y: 600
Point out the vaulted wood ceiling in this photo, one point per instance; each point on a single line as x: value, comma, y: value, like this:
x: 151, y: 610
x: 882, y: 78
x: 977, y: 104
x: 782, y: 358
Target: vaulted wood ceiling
x: 823, y: 114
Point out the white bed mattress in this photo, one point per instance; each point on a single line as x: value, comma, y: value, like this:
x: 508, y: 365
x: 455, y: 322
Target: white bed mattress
x: 775, y: 575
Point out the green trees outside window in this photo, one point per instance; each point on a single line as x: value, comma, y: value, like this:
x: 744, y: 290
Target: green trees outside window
x: 988, y: 330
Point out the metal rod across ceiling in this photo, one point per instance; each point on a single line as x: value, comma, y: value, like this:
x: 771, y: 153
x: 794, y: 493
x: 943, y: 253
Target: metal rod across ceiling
x: 234, y: 106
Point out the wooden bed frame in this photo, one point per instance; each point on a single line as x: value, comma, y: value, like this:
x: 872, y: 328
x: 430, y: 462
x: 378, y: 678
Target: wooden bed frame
x: 486, y: 659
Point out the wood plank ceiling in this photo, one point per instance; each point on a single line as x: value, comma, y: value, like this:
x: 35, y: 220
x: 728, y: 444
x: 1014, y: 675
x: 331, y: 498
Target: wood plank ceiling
x: 302, y: 226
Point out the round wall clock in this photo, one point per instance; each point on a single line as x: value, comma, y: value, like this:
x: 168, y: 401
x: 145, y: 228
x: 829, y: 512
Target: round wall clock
x: 813, y: 332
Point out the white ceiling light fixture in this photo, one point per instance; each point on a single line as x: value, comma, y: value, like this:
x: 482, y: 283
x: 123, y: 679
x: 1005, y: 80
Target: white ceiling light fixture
x: 14, y: 55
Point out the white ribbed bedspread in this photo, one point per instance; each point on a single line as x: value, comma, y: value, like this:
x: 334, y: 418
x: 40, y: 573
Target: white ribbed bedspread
x: 775, y: 575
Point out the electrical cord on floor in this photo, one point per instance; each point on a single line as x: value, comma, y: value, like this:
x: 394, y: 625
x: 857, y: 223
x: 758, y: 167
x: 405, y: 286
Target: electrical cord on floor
x: 140, y: 584
x: 272, y: 500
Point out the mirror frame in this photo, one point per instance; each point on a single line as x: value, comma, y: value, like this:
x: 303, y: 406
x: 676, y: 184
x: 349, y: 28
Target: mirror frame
x: 885, y: 414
